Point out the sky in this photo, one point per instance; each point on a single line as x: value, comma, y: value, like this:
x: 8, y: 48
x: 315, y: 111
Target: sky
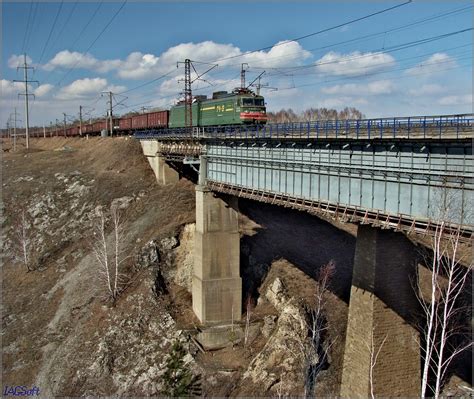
x: 414, y: 59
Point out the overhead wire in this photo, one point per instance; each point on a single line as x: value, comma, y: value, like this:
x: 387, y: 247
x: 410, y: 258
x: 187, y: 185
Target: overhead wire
x: 371, y: 53
x: 308, y: 35
x: 365, y: 37
x: 434, y: 63
x: 66, y: 24
x: 27, y: 28
x: 93, y: 42
x: 33, y: 20
x: 297, y: 39
x: 82, y: 31
x: 51, y: 31
x: 361, y: 38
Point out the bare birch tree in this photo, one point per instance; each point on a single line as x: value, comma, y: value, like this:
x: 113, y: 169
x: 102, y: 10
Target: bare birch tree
x: 247, y: 320
x: 109, y: 252
x: 443, y: 326
x: 22, y: 240
x: 315, y: 348
x: 374, y: 354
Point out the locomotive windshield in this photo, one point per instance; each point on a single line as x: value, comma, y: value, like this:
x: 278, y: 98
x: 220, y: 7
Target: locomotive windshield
x: 253, y: 102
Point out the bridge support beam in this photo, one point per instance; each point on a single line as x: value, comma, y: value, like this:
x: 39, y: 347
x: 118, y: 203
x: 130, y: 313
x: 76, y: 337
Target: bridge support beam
x: 163, y: 172
x: 217, y: 286
x: 382, y: 300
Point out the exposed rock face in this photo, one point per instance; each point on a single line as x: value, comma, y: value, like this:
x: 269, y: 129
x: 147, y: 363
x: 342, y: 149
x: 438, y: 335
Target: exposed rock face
x: 133, y: 351
x: 181, y: 272
x: 148, y: 256
x: 279, y: 367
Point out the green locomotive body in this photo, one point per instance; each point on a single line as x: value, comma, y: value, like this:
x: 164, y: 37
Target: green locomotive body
x: 224, y: 109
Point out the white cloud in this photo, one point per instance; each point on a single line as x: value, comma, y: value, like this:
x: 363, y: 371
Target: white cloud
x: 436, y: 62
x: 8, y: 87
x: 138, y: 65
x: 456, y: 100
x: 17, y: 60
x: 82, y: 88
x: 68, y: 59
x: 86, y: 87
x: 285, y: 53
x: 427, y: 89
x: 353, y: 64
x: 42, y: 90
x: 371, y: 88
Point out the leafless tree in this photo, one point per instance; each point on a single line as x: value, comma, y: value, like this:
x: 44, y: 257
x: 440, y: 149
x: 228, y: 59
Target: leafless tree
x: 374, y: 354
x: 443, y: 309
x: 22, y: 240
x: 314, y: 114
x: 315, y: 347
x: 247, y: 320
x: 110, y: 252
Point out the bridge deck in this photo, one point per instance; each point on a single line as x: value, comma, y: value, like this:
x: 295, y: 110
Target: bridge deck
x: 400, y: 173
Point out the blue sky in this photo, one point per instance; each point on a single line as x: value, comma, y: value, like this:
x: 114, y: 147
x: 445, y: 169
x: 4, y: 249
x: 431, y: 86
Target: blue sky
x: 371, y: 65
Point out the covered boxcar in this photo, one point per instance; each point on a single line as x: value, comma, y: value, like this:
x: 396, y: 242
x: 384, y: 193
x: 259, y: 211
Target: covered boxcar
x: 140, y: 121
x: 98, y: 126
x: 158, y: 119
x: 125, y: 123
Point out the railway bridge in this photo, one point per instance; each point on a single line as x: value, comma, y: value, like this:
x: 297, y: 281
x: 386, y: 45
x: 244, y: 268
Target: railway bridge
x: 388, y: 175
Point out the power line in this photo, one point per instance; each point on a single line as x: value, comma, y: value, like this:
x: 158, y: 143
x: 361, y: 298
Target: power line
x: 51, y: 31
x: 94, y: 41
x: 297, y: 39
x: 315, y: 83
x: 33, y: 20
x: 363, y: 38
x: 87, y: 24
x: 27, y: 28
x: 391, y: 49
x: 68, y: 18
x: 83, y: 30
x: 149, y: 82
x: 435, y: 63
x: 25, y: 68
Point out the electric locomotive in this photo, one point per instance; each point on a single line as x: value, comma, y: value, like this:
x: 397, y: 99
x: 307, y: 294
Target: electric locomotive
x: 239, y: 107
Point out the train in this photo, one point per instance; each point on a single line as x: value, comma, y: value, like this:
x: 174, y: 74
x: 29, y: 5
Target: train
x: 239, y: 107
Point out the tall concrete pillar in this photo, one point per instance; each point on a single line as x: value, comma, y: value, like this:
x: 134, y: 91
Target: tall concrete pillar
x: 217, y: 286
x: 163, y: 172
x: 381, y: 304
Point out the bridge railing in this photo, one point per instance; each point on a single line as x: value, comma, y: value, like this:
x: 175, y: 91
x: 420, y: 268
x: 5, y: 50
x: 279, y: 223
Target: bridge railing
x: 422, y: 127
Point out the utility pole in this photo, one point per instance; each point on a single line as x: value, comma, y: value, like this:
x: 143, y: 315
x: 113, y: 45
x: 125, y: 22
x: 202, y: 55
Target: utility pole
x: 80, y: 120
x: 50, y: 129
x: 44, y: 130
x: 57, y: 127
x: 64, y: 129
x: 14, y: 128
x: 242, y: 74
x: 25, y: 68
x: 110, y: 104
x: 188, y: 93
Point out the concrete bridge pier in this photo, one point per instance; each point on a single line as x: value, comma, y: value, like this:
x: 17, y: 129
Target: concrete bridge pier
x: 217, y: 286
x: 382, y: 300
x: 163, y: 172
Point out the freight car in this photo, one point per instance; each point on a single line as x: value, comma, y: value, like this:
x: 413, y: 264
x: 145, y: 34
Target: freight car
x: 239, y: 107
x: 223, y: 109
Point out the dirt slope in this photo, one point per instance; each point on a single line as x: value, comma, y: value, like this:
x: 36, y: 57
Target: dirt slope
x: 59, y: 331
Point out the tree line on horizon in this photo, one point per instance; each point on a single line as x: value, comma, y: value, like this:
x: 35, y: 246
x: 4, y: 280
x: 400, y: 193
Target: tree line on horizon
x: 312, y: 114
